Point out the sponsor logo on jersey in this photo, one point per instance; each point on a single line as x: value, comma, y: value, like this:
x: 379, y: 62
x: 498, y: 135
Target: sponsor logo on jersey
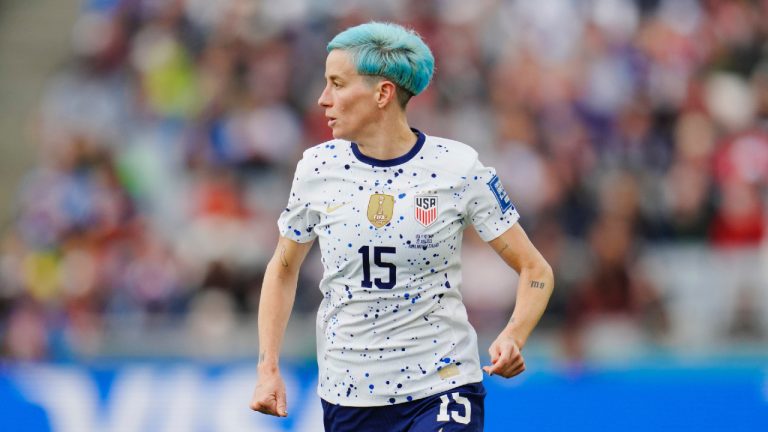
x: 425, y: 209
x: 501, y: 195
x: 333, y: 208
x: 380, y: 209
x: 449, y: 371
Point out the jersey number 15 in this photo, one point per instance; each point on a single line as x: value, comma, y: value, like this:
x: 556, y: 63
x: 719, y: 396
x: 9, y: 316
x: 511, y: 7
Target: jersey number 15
x: 378, y: 251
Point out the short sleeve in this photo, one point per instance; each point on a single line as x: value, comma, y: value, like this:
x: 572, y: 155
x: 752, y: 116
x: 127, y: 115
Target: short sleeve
x: 487, y: 206
x: 298, y: 219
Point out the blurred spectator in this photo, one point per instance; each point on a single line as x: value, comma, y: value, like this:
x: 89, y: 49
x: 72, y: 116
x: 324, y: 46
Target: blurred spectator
x: 687, y: 204
x: 26, y: 333
x: 740, y: 219
x: 614, y: 294
x: 167, y: 145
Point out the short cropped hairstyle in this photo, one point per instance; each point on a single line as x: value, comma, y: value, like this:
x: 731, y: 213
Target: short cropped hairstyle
x: 390, y: 51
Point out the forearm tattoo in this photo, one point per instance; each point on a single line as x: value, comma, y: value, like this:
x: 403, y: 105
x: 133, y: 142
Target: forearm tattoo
x: 283, y: 261
x: 503, y: 249
x: 538, y: 284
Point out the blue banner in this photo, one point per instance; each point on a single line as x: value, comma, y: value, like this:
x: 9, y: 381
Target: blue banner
x: 183, y: 396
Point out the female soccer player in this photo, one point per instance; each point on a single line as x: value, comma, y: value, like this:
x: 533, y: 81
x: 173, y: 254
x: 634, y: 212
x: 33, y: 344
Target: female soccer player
x: 389, y: 204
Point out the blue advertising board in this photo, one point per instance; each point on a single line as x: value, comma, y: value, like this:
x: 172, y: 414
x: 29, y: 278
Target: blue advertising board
x: 185, y: 396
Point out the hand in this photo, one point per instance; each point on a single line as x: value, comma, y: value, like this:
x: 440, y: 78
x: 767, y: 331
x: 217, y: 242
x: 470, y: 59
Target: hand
x: 269, y: 396
x: 506, y: 358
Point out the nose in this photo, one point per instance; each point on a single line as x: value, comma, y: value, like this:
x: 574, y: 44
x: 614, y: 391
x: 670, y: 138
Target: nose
x: 325, y: 99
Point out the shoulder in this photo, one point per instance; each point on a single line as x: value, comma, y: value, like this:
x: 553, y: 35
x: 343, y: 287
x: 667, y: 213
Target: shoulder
x: 457, y: 148
x: 454, y: 155
x: 325, y: 155
x: 325, y: 150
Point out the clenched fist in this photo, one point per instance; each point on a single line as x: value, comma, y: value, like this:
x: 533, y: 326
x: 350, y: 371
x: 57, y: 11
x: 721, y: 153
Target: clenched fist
x: 269, y: 395
x: 506, y: 358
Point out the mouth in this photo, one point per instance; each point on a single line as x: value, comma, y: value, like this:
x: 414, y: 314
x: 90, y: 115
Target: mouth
x: 331, y: 121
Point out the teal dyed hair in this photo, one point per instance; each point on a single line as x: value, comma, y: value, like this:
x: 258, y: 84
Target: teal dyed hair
x: 389, y: 51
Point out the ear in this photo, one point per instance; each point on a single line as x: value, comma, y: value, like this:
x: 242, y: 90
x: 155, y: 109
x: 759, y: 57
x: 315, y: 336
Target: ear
x: 386, y: 93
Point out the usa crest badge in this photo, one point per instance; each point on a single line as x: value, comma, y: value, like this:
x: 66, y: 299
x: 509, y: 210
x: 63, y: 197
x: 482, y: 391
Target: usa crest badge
x: 380, y: 209
x: 425, y: 209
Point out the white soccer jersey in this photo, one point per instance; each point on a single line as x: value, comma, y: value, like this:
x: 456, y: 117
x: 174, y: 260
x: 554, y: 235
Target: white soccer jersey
x: 392, y: 326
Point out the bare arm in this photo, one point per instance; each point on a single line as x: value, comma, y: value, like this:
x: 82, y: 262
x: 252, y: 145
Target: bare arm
x: 277, y: 295
x: 533, y: 291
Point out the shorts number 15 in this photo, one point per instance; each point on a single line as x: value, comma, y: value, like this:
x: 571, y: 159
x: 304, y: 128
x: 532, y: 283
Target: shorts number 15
x: 442, y: 416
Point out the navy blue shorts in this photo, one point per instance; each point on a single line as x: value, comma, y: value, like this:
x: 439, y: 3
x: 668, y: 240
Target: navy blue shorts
x: 458, y: 409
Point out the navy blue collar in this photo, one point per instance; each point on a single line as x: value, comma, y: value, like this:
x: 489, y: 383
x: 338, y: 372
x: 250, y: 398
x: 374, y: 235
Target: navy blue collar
x: 392, y: 162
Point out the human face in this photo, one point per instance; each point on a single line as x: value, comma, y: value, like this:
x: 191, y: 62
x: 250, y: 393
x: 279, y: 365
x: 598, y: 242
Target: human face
x: 349, y: 99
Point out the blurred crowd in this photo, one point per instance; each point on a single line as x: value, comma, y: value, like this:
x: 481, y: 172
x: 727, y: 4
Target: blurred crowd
x: 167, y: 145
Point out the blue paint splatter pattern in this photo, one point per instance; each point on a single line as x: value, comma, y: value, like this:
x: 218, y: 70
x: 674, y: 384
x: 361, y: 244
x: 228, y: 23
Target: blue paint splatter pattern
x: 392, y: 319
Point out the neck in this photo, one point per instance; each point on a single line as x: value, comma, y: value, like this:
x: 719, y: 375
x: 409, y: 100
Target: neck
x: 388, y: 140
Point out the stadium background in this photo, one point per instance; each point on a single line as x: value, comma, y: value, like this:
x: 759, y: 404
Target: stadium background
x: 147, y: 147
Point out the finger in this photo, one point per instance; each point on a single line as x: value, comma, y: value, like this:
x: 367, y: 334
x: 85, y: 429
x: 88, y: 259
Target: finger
x: 267, y: 406
x: 508, y: 363
x: 517, y: 371
x: 282, y: 405
x: 260, y: 406
x: 516, y: 361
x: 513, y: 371
x: 497, y: 368
x: 503, y: 360
x: 512, y: 354
x: 494, y: 352
x: 272, y: 408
